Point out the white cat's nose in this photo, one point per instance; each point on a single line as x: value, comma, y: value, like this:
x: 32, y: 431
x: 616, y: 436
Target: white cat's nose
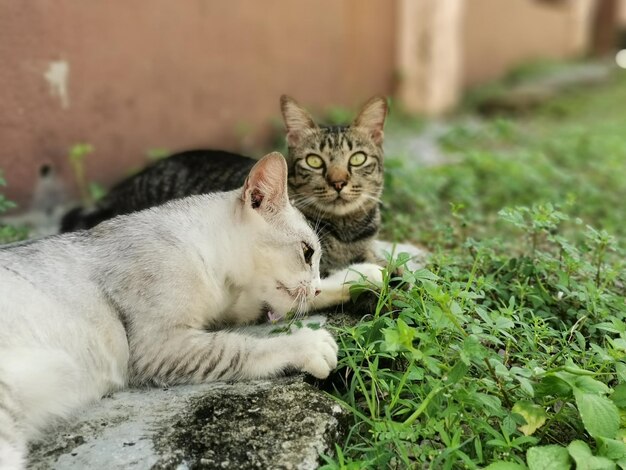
x: 317, y: 292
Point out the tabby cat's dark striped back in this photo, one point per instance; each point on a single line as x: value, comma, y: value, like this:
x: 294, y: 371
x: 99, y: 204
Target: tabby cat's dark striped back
x: 181, y: 175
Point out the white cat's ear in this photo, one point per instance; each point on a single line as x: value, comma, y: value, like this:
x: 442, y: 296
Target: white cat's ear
x: 372, y: 118
x: 297, y: 120
x: 265, y: 188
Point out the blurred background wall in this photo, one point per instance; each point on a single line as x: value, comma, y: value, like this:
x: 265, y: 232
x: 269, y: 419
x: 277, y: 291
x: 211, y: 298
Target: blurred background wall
x: 500, y: 35
x: 130, y: 76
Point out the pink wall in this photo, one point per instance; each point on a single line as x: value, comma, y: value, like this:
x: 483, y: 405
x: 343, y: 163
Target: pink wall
x: 499, y: 35
x: 157, y: 73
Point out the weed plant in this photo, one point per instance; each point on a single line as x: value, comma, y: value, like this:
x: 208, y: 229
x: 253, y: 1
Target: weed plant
x: 9, y: 233
x: 508, y: 350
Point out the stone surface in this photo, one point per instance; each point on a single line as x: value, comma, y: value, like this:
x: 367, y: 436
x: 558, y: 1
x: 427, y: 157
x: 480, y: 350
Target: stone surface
x: 284, y: 424
x: 419, y: 149
x: 532, y: 92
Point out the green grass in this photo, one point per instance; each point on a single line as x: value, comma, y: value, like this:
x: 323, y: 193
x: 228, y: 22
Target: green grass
x: 527, y: 73
x: 8, y: 233
x: 508, y: 350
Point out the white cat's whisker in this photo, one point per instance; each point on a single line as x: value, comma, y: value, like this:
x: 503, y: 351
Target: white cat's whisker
x: 301, y: 310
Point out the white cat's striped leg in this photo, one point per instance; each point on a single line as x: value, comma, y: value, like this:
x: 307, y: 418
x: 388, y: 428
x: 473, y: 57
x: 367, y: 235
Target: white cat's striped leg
x: 335, y: 289
x: 306, y: 350
x: 193, y: 356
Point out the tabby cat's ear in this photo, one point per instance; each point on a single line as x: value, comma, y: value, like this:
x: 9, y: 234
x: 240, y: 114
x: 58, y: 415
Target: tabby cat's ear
x: 371, y: 119
x: 265, y: 188
x: 297, y: 120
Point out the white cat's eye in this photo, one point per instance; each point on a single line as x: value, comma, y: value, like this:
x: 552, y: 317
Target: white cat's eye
x: 358, y: 159
x: 314, y: 161
x: 307, y: 252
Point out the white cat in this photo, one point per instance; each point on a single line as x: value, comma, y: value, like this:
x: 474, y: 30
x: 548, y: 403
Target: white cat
x: 141, y: 299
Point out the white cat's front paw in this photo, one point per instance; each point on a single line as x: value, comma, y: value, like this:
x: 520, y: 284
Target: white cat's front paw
x: 372, y: 273
x: 317, y: 351
x: 336, y: 287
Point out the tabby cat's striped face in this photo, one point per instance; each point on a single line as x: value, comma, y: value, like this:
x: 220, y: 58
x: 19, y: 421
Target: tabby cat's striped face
x: 335, y: 170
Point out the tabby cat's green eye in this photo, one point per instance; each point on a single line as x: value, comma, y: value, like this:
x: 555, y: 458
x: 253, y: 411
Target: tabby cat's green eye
x: 357, y: 159
x: 314, y: 161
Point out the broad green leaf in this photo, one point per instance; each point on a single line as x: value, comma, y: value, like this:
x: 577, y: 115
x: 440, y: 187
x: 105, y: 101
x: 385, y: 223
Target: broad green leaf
x: 585, y: 460
x: 500, y: 369
x: 482, y: 313
x: 553, y: 386
x: 505, y: 466
x: 489, y: 402
x: 406, y: 333
x: 620, y: 369
x: 548, y: 458
x: 399, y: 338
x: 423, y: 274
x: 534, y: 415
x: 610, y: 327
x: 601, y: 353
x: 431, y: 364
x: 619, y: 396
x: 586, y: 384
x: 357, y: 289
x: 504, y: 323
x: 599, y: 414
x: 416, y: 373
x: 513, y: 216
x: 525, y: 385
x: 508, y: 425
x: 521, y: 371
x: 579, y: 450
x: 611, y: 448
x: 455, y: 309
x: 457, y: 372
x: 618, y: 343
x: 472, y: 350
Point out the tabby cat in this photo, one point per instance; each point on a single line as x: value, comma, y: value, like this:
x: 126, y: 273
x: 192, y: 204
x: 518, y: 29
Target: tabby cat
x: 141, y: 299
x: 335, y: 179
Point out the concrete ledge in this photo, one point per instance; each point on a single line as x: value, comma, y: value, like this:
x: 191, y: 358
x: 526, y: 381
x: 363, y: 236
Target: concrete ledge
x: 285, y: 423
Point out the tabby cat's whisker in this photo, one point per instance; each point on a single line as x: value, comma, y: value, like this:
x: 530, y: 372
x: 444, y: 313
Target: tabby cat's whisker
x: 372, y: 198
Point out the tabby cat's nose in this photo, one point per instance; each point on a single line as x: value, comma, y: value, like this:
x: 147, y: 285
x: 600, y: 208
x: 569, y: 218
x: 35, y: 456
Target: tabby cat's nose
x: 339, y: 185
